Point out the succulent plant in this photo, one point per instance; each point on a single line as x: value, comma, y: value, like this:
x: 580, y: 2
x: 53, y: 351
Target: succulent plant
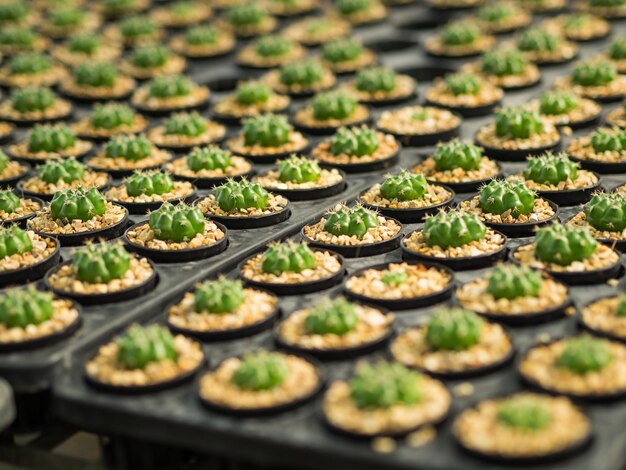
x: 242, y: 194
x: 288, y: 257
x: 584, y: 354
x: 96, y: 74
x: 298, y: 170
x: 564, y: 244
x: 351, y: 7
x: 150, y: 56
x: 134, y: 27
x: 594, y: 73
x: 524, y: 412
x: 29, y: 63
x: 118, y: 7
x: 20, y: 308
x: 179, y: 223
x: 4, y: 161
x: 266, y: 130
x: 455, y: 154
x: 11, y: 12
x: 220, y: 296
x: 111, y: 116
x: 620, y: 309
x: 86, y: 43
x: 518, y: 123
x: 503, y: 61
x: 273, y: 46
x: 67, y: 17
x: 502, y: 196
x: 394, y: 277
x: 50, y: 138
x: 606, y: 3
x: 32, y: 99
x: 65, y: 169
x: 608, y: 140
x: 495, y: 12
x: 354, y: 141
x: 405, y: 186
x: 376, y: 79
x: 554, y: 103
x: 17, y: 36
x: 247, y: 14
x: 187, y: 124
x: 201, y: 35
x: 463, y: 83
x: 459, y: 33
x: 209, y: 158
x: 261, y: 370
x: 303, y: 73
x: 550, y: 169
x: 148, y: 183
x: 334, y: 104
x: 352, y: 221
x: 101, y: 263
x: 617, y: 50
x: 170, y: 86
x: 253, y: 92
x: 332, y: 317
x: 182, y: 8
x: 453, y: 229
x: 606, y: 211
x: 511, y: 282
x: 453, y: 329
x: 384, y: 384
x: 77, y: 204
x: 129, y: 147
x: 14, y: 241
x: 142, y: 345
x: 342, y: 50
x: 9, y: 201
x: 538, y: 39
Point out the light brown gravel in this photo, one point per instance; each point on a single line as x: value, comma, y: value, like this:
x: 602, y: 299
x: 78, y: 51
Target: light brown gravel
x: 566, y: 51
x: 84, y: 128
x: 328, y: 177
x: 209, y: 205
x: 296, y: 143
x: 386, y: 229
x: 92, y: 21
x: 298, y: 8
x: 240, y: 166
x: 405, y: 86
x: 603, y: 12
x: 580, y: 220
x: 490, y: 244
x: 90, y: 179
x: 46, y: 78
x: 104, y: 163
x: 44, y: 223
x: 584, y: 179
x: 229, y: 106
x: 452, y: 4
x: 365, y: 59
x: 617, y: 117
x: 225, y: 43
x: 487, y: 169
x: 42, y: 249
x: 582, y: 149
x: 400, y: 121
x: 267, y: 25
x: 387, y: 147
x: 464, y: 389
x: 304, y: 116
x: 519, y: 20
x: 595, y: 27
x: 163, y: 17
x: 376, y: 12
x: 600, y: 315
x: 144, y: 236
x: 249, y: 57
x: 174, y: 65
x: 439, y: 94
x: 6, y: 128
x: 326, y: 265
x: 298, y: 31
x: 434, y: 195
x: 106, y: 53
x: 213, y: 132
x: 487, y: 136
x: 122, y: 87
x: 586, y: 109
x: 422, y: 437
x: 27, y: 206
x: 113, y: 33
x: 531, y: 74
x: 141, y: 97
x: 541, y: 211
x: 60, y: 108
x: 614, y: 88
x: 181, y: 190
x: 435, y: 45
x: 40, y: 44
x: 603, y: 258
x: 12, y: 170
x: 384, y: 445
x: 621, y: 189
x: 272, y: 78
x: 21, y: 151
x: 542, y: 6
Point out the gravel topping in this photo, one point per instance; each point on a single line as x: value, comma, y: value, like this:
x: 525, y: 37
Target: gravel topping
x: 163, y: 17
x: 213, y: 132
x: 49, y: 77
x: 601, y: 316
x: 305, y: 117
x: 141, y: 97
x: 174, y: 65
x: 434, y: 195
x: 439, y: 94
x: 604, y: 257
x: 12, y: 170
x: 240, y: 166
x: 365, y: 59
x: 595, y: 27
x: 566, y: 51
x: 102, y: 162
x: 405, y: 86
x: 531, y: 74
x: 400, y: 121
x: 491, y: 243
x: 435, y: 45
x: 327, y: 264
x: 586, y: 109
x: 21, y: 151
x: 541, y: 211
x: 298, y: 31
x: 387, y: 147
x: 122, y: 87
x: 144, y: 236
x: 105, y: 53
x: 328, y: 177
x: 229, y: 106
x: 90, y: 179
x: 249, y: 57
x: 267, y: 25
x: 584, y: 179
x: 487, y: 136
x: 42, y: 249
x: 209, y: 205
x: 181, y: 190
x: 44, y: 223
x: 60, y: 108
x: 617, y: 117
x: 27, y: 206
x: 225, y: 42
x: 615, y: 87
x: 272, y: 78
x: 386, y: 229
x: 84, y: 128
x: 487, y: 169
x: 296, y: 142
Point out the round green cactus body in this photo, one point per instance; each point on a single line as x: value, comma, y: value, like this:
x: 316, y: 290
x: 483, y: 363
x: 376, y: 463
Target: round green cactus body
x: 111, y: 116
x: 351, y: 7
x: 29, y: 63
x: 299, y: 170
x: 457, y: 154
x: 141, y: 346
x: 607, y: 3
x: 129, y: 147
x: 518, y: 123
x: 453, y: 329
x: 495, y: 12
x: 500, y: 196
x: 242, y: 194
x: 620, y: 310
x: 405, y: 186
x: 303, y: 73
x: 608, y: 140
x: 245, y: 15
x: 617, y: 50
x: 524, y: 413
x: 463, y: 84
x: 394, y: 278
x: 20, y: 308
x: 211, y: 157
x: 503, y: 61
x: 101, y: 263
x: 253, y: 92
x: 201, y: 35
x: 135, y: 27
x: 459, y: 33
x: 288, y: 257
x: 67, y: 17
x: 351, y: 221
x: 219, y: 296
x: 13, y: 11
x: 512, y: 282
x: 143, y: 183
x: 376, y: 80
x: 342, y: 50
x: 187, y: 124
x: 32, y: 99
x: 17, y: 36
x: 14, y: 241
x: 259, y: 371
x: 96, y: 74
x: 383, y: 385
x: 551, y: 169
x: 8, y: 201
x: 179, y: 223
x: 266, y: 130
x: 333, y: 105
x: 554, y: 103
x: 50, y: 138
x: 77, y: 204
x: 538, y: 39
x: 4, y: 161
x: 86, y: 43
x: 150, y: 56
x: 332, y: 317
x: 585, y: 354
x: 561, y: 244
x: 453, y: 229
x: 66, y: 169
x: 606, y: 211
x: 118, y: 7
x: 170, y: 86
x: 354, y: 141
x: 594, y: 73
x: 273, y: 46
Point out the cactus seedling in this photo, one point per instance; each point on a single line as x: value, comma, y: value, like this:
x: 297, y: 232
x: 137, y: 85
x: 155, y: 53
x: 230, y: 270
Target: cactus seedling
x: 253, y: 92
x: 245, y: 15
x: 303, y: 73
x: 342, y: 50
x: 242, y: 194
x: 354, y: 141
x: 459, y: 33
x: 512, y: 282
x: 129, y: 147
x: 620, y: 310
x: 20, y: 308
x: 503, y: 61
x: 606, y: 212
x: 617, y: 51
x: 524, y: 412
x: 351, y: 7
x: 453, y: 329
x: 259, y: 371
x: 585, y: 354
x: 219, y: 296
x: 554, y: 103
x: 135, y: 27
x: 376, y: 80
x: 501, y: 196
x: 382, y: 385
x: 141, y: 346
x: 29, y: 63
x: 273, y: 46
x: 8, y: 201
x: 77, y: 205
x: 96, y: 74
x: 456, y: 154
x: 111, y: 116
x: 17, y: 36
x: 333, y: 105
x: 170, y: 86
x: 11, y: 12
x: 67, y: 17
x: 288, y: 257
x: 332, y: 317
x: 142, y: 183
x: 351, y: 221
x: 608, y: 140
x: 179, y: 223
x: 462, y: 83
x: 563, y: 245
x: 594, y: 73
x: 32, y: 99
x: 67, y: 169
x: 101, y: 263
x: 495, y: 12
x: 209, y: 158
x: 298, y: 170
x: 538, y: 39
x: 47, y: 138
x: 266, y: 130
x: 150, y: 56
x: 187, y: 124
x: 518, y: 123
x: 453, y: 229
x: 14, y: 241
x: 404, y: 186
x: 87, y: 44
x: 201, y: 35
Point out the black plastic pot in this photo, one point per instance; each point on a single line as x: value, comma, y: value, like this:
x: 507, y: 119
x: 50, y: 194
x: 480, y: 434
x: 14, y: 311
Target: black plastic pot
x: 571, y: 197
x: 233, y: 120
x: 201, y: 106
x: 582, y: 123
x: 424, y: 140
x: 517, y: 155
x: 555, y: 62
x: 596, y: 332
x: 609, y: 99
x: 32, y: 272
x: 311, y: 193
x: 390, y: 101
x: 92, y: 99
x: 30, y: 122
x: 32, y: 161
x: 467, y: 111
x: 120, y: 173
x: 523, y: 86
x: 329, y: 129
x: 247, y: 222
x: 272, y: 157
x: 188, y: 147
x: 22, y: 221
x: 364, y: 167
x: 605, y: 168
x: 11, y: 182
x: 142, y: 208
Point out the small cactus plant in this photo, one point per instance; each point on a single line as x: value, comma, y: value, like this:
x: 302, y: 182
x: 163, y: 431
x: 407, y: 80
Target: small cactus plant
x: 617, y: 50
x: 67, y: 17
x: 14, y: 241
x: 129, y: 147
x: 101, y: 263
x: 298, y: 170
x: 394, y: 277
x: 67, y: 170
x: 608, y: 140
x: 201, y: 35
x: 266, y: 130
x: 512, y: 282
x: 86, y: 44
x: 594, y: 73
x: 246, y: 15
x: 148, y: 183
x: 111, y: 116
x: 501, y: 196
x: 11, y: 12
x: 253, y: 92
x: 77, y: 204
x: 50, y: 138
x: 376, y: 80
x: 453, y: 229
x: 29, y: 63
x: 463, y: 84
x: 538, y: 39
x: 561, y: 244
x: 179, y: 223
x: 259, y: 371
x: 354, y: 141
x: 550, y: 169
x: 242, y: 194
x: 459, y: 33
x: 620, y: 309
x: 495, y: 12
x: 383, y: 385
x: 20, y: 308
x: 143, y: 345
x: 288, y: 257
x: 404, y: 186
x: 518, y: 123
x: 273, y: 46
x: 219, y: 296
x: 17, y: 36
x: 503, y: 61
x: 135, y: 27
x: 585, y: 354
x: 332, y: 317
x: 170, y: 86
x: 457, y: 154
x: 351, y: 7
x: 606, y: 211
x: 209, y: 158
x: 555, y: 103
x: 32, y: 99
x: 303, y: 73
x: 187, y: 124
x: 523, y: 412
x: 150, y: 56
x: 96, y: 74
x: 333, y: 105
x: 342, y: 50
x: 351, y: 221
x: 9, y: 201
x: 453, y: 329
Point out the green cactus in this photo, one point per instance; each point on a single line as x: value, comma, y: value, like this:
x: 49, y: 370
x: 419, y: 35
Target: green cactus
x: 518, y: 123
x: 563, y: 244
x: 67, y: 17
x: 50, y: 138
x: 150, y: 56
x: 32, y: 99
x: 17, y: 36
x: 606, y: 211
x: 334, y: 104
x: 4, y: 161
x: 129, y: 147
x: 500, y: 196
x: 96, y: 74
x: 524, y: 412
x: 463, y: 84
x: 29, y: 63
x: 495, y: 12
x: 9, y: 201
x: 453, y: 329
x: 594, y: 73
x: 288, y: 257
x: 183, y: 9
x: 187, y: 124
x: 332, y: 317
x: 352, y: 221
x: 179, y: 223
x: 455, y: 154
x: 118, y: 7
x: 608, y: 140
x: 303, y: 73
x: 459, y: 33
x: 617, y: 50
x: 537, y: 39
x: 253, y: 92
x: 111, y: 116
x: 512, y: 282
x: 620, y: 309
x: 170, y: 86
x: 354, y: 141
x: 66, y: 169
x: 550, y: 169
x: 503, y: 61
x: 86, y: 43
x: 77, y: 204
x: 405, y: 186
x: 584, y: 354
x: 101, y: 263
x: 201, y: 35
x: 394, y: 277
x: 246, y: 15
x: 143, y: 345
x: 242, y: 194
x: 554, y: 103
x: 453, y: 229
x: 383, y: 385
x: 351, y: 7
x: 14, y: 241
x: 209, y: 158
x: 136, y: 27
x: 20, y: 308
x: 342, y: 50
x: 273, y: 46
x: 219, y: 296
x: 376, y: 79
x: 266, y: 130
x: 143, y: 183
x: 12, y: 12
x: 298, y: 170
x: 260, y: 371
